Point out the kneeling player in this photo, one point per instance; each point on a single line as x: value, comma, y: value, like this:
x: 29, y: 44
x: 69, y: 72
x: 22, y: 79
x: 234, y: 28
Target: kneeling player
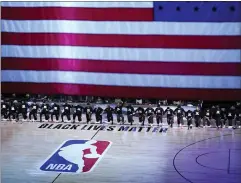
x: 4, y: 110
x: 130, y: 113
x: 78, y: 112
x: 231, y: 116
x: 109, y: 112
x: 197, y: 117
x: 238, y: 118
x: 218, y: 117
x: 88, y: 112
x: 150, y: 113
x: 141, y: 114
x: 44, y: 111
x: 207, y: 118
x: 98, y: 114
x: 169, y: 113
x: 159, y: 112
x: 223, y: 117
x: 23, y: 109
x: 33, y: 112
x: 179, y: 111
x: 55, y: 112
x: 66, y: 112
x: 189, y: 117
x: 119, y: 113
x: 13, y: 111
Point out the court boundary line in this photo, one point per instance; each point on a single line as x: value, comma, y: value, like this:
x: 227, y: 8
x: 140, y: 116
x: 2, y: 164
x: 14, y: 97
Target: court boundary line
x: 173, y: 162
x: 61, y: 173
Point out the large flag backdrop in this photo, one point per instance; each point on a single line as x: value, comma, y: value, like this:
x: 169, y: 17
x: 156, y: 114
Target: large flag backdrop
x: 174, y: 50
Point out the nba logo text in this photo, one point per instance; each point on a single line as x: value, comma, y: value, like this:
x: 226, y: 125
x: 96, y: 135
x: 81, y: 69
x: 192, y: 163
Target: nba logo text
x: 76, y: 156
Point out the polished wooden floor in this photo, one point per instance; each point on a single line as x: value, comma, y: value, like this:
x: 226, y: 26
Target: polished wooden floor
x: 204, y: 155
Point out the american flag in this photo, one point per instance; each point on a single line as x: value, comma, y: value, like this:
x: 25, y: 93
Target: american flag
x: 173, y: 50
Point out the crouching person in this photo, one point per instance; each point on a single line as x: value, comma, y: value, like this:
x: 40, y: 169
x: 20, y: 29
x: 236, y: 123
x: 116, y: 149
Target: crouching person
x: 66, y: 112
x: 78, y: 109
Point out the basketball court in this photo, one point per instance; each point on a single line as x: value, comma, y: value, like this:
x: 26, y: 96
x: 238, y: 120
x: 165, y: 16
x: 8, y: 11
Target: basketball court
x: 147, y: 155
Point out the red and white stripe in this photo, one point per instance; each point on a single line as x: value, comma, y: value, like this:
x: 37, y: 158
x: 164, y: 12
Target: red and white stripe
x: 111, y: 49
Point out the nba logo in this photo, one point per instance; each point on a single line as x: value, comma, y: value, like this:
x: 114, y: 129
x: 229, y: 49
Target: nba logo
x: 76, y: 156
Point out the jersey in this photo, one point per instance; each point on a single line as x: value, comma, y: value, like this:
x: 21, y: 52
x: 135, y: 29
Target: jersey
x: 98, y: 110
x: 207, y: 113
x: 78, y: 109
x: 230, y: 114
x: 55, y: 108
x: 140, y: 111
x: 23, y: 108
x: 197, y: 113
x: 159, y: 111
x: 213, y: 110
x: 67, y: 108
x: 238, y: 114
x: 45, y: 107
x: 130, y: 110
x: 169, y: 112
x: 179, y: 111
x: 149, y: 111
x: 223, y: 113
x: 34, y: 107
x: 109, y: 111
x: 118, y: 110
x: 88, y: 110
x: 189, y: 114
x: 218, y: 113
x: 4, y: 107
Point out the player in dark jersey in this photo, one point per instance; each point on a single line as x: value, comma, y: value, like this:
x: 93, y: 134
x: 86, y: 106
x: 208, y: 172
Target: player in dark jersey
x: 88, y: 111
x: 4, y: 110
x: 223, y: 116
x: 238, y: 114
x: 98, y: 114
x: 66, y: 112
x: 109, y: 112
x: 78, y: 109
x: 44, y: 111
x: 169, y: 112
x: 218, y: 117
x: 159, y: 113
x: 130, y: 113
x: 189, y: 117
x: 212, y: 112
x: 179, y: 111
x: 23, y: 109
x: 33, y: 111
x: 197, y: 117
x: 150, y: 114
x: 141, y: 115
x: 55, y: 111
x: 238, y: 117
x: 206, y: 117
x: 119, y: 113
x: 13, y: 110
x: 231, y: 116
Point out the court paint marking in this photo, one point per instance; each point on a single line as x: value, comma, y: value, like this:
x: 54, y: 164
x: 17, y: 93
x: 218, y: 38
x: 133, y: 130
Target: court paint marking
x: 174, y: 159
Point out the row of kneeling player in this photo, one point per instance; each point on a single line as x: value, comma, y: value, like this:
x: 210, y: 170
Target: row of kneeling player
x: 13, y: 111
x: 221, y: 115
